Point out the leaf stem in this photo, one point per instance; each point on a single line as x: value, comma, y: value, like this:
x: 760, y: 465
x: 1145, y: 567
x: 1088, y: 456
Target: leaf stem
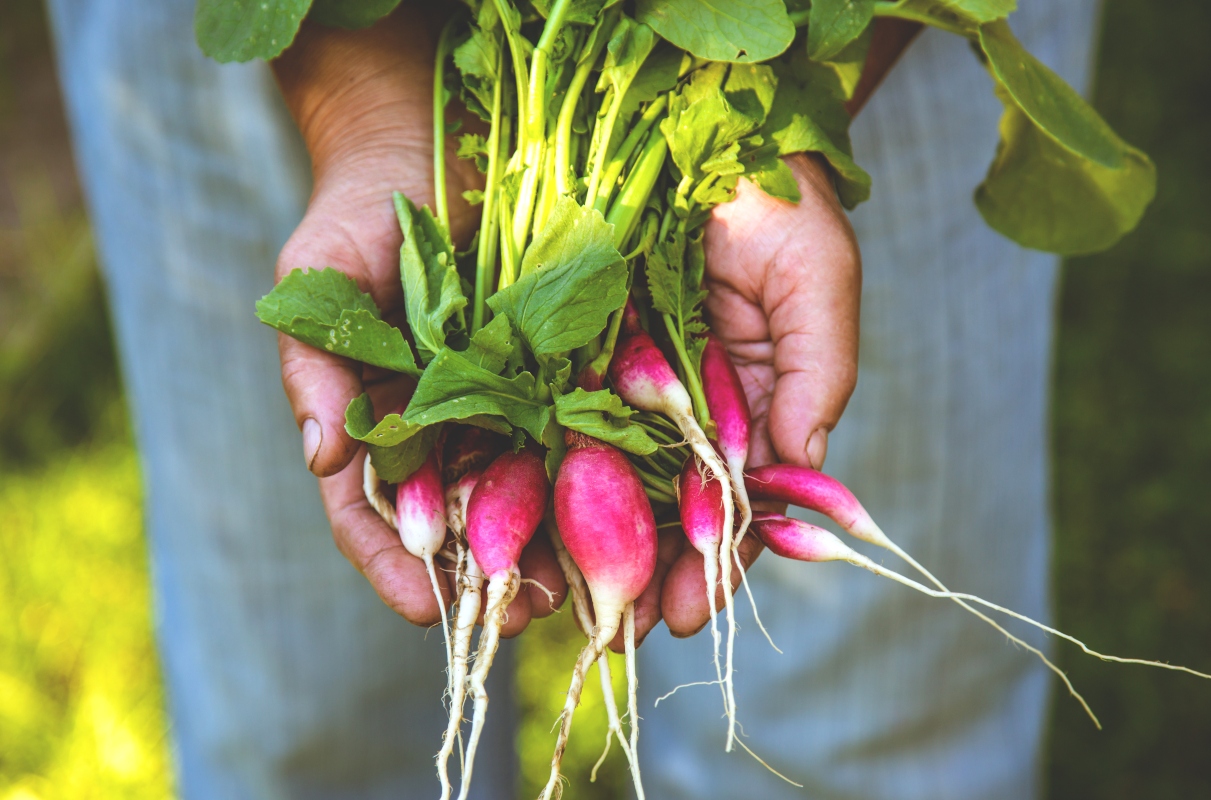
x: 618, y: 161
x: 883, y: 8
x: 633, y: 196
x: 567, y: 111
x: 693, y: 380
x: 439, y: 125
x: 485, y: 258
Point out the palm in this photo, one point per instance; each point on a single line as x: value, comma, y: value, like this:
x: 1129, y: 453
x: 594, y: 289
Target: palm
x: 783, y: 283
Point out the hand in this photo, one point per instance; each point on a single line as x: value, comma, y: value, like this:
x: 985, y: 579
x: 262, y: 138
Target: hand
x: 363, y: 103
x: 785, y: 282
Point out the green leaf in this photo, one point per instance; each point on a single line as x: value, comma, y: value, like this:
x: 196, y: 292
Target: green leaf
x: 397, y: 448
x: 603, y: 416
x: 721, y: 30
x: 492, y: 345
x: 657, y: 75
x: 703, y: 135
x: 809, y: 116
x: 350, y: 13
x: 764, y: 168
x: 982, y: 10
x: 583, y: 12
x: 573, y: 279
x: 432, y: 289
x: 1052, y: 104
x: 1047, y: 197
x: 834, y: 24
x: 477, y: 59
x: 455, y: 388
x: 241, y: 30
x: 325, y: 309
x: 675, y: 281
x: 629, y: 46
x: 845, y: 67
x: 751, y: 88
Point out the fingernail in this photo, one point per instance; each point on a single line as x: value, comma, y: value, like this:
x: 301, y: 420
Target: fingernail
x: 817, y: 448
x: 313, y: 437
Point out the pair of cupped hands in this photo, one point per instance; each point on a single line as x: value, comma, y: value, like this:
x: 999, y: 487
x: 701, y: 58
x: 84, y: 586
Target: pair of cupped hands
x: 784, y: 283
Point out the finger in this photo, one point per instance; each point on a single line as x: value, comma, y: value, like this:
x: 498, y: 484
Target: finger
x: 399, y: 577
x: 683, y: 600
x: 537, y: 563
x: 812, y: 298
x: 319, y: 386
x: 647, y: 605
x: 517, y: 616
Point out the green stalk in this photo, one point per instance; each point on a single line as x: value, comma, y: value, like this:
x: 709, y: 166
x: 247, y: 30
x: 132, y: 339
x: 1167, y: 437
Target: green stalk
x: 619, y: 160
x: 532, y: 141
x: 890, y: 9
x: 520, y: 71
x: 693, y: 380
x: 657, y: 496
x: 485, y: 258
x: 627, y: 208
x: 567, y: 111
x: 439, y: 125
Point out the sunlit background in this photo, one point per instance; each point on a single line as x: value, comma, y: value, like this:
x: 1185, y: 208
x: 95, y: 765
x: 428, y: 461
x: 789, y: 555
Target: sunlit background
x: 81, y: 708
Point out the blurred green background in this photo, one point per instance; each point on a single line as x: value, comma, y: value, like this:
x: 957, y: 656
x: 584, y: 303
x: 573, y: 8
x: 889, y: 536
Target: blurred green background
x: 81, y: 710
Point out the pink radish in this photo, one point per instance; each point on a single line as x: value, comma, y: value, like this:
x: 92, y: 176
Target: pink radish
x: 643, y: 379
x: 792, y: 538
x: 728, y: 405
x: 504, y: 510
x: 420, y: 513
x: 700, y: 501
x: 608, y: 528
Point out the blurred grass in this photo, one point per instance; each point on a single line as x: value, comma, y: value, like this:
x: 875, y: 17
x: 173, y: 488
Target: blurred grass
x: 80, y: 701
x: 1132, y: 423
x: 81, y: 713
x: 547, y: 654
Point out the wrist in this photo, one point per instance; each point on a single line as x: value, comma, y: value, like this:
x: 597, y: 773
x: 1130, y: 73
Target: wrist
x: 357, y: 94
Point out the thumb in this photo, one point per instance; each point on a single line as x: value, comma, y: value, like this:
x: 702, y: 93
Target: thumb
x: 812, y: 299
x: 319, y: 384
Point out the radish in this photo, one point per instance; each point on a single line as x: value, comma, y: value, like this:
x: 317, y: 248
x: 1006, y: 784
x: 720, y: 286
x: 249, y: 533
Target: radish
x: 802, y: 541
x: 608, y: 527
x: 728, y: 405
x: 504, y: 510
x: 579, y: 591
x: 700, y: 501
x: 643, y: 379
x: 420, y: 512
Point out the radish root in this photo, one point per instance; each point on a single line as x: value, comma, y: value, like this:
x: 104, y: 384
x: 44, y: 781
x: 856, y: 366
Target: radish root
x: 374, y: 496
x: 705, y: 451
x: 501, y: 592
x: 470, y: 584
x: 584, y: 615
x: 628, y: 634
x: 862, y: 561
x: 887, y: 543
x: 592, y: 651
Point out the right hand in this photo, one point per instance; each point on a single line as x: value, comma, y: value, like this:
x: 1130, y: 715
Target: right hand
x: 363, y: 103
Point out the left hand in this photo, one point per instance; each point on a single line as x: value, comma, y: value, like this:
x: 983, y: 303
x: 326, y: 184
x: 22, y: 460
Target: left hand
x: 785, y: 282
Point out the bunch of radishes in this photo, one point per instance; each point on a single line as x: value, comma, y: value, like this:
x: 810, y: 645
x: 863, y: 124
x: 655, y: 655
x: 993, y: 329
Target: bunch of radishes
x: 584, y: 393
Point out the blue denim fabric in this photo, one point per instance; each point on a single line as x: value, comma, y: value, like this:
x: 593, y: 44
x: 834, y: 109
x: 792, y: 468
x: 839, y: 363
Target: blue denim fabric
x: 884, y: 694
x: 289, y: 679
